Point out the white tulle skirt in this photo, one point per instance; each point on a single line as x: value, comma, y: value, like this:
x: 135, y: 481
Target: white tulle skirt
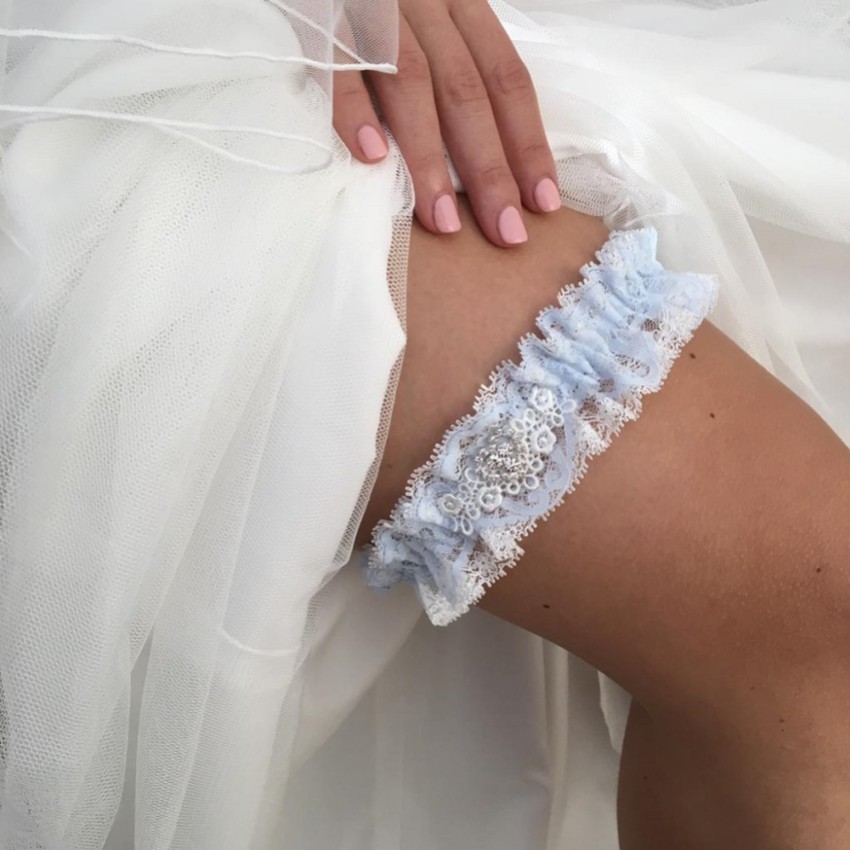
x: 201, y: 326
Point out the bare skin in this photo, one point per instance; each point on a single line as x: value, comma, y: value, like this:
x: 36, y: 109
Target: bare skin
x: 461, y: 83
x: 703, y: 563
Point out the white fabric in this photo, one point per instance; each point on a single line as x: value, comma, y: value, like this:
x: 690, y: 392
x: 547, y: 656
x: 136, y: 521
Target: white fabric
x: 201, y: 309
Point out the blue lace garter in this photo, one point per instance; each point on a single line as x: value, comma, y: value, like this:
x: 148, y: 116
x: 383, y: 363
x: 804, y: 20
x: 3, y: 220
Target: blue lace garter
x: 535, y: 425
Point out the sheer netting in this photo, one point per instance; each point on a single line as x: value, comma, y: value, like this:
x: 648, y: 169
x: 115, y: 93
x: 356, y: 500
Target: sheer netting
x: 175, y: 233
x: 201, y: 323
x: 173, y: 65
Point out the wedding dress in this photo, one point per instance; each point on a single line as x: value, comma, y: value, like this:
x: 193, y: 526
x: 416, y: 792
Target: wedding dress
x: 201, y: 326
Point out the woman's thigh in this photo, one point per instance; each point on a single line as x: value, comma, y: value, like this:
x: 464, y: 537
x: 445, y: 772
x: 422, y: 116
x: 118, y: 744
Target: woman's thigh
x: 711, y: 534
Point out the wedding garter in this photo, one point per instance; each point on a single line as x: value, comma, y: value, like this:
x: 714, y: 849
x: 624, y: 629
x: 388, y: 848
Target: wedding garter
x: 535, y: 425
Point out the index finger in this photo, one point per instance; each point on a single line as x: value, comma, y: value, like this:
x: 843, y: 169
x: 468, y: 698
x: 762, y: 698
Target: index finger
x: 514, y: 104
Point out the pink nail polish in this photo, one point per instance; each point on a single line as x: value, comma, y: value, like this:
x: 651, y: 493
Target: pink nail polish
x: 546, y: 195
x: 371, y: 142
x: 445, y: 215
x: 511, y: 228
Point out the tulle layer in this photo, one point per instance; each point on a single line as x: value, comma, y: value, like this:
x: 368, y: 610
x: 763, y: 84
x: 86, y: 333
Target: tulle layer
x: 175, y: 238
x: 189, y: 69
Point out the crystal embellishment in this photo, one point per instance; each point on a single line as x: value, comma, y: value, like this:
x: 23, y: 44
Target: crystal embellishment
x: 506, y: 461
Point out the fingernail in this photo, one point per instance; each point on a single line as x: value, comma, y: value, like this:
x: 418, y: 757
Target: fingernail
x: 547, y: 196
x: 445, y: 215
x: 371, y: 142
x: 511, y: 228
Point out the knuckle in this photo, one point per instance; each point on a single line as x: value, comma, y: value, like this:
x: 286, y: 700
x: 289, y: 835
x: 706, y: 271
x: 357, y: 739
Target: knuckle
x: 348, y: 93
x: 494, y: 175
x: 534, y: 152
x: 429, y: 162
x: 413, y: 66
x: 464, y: 89
x: 512, y: 78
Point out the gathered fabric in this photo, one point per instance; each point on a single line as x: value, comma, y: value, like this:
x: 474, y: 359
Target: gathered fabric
x: 499, y: 471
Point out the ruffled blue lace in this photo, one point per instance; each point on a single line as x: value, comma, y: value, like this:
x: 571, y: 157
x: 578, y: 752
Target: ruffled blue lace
x: 505, y: 467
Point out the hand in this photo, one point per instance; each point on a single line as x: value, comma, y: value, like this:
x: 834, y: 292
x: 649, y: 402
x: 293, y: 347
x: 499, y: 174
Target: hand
x: 461, y: 81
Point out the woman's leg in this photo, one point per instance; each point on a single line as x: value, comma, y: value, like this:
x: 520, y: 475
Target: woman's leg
x: 703, y: 562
